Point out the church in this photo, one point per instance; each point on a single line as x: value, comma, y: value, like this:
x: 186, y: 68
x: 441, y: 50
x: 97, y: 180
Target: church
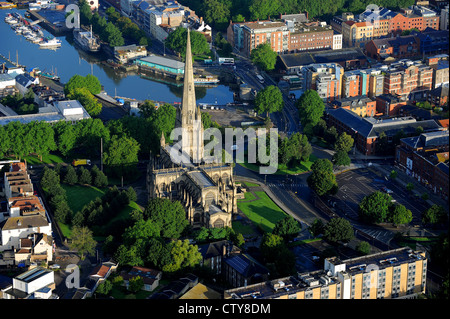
x: 207, y: 190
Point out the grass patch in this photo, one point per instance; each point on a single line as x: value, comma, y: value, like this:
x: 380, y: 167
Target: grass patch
x: 239, y: 227
x: 251, y: 184
x: 263, y: 212
x: 248, y: 196
x: 78, y: 196
x: 305, y: 241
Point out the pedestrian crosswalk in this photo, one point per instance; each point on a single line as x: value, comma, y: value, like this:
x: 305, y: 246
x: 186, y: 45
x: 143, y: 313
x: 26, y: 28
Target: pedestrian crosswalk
x: 287, y: 185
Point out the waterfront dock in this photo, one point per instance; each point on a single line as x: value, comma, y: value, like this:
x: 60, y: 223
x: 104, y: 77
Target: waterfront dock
x: 55, y: 28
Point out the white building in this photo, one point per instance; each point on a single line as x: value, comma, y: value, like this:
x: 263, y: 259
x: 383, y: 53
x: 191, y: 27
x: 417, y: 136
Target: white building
x: 337, y: 41
x: 24, y: 81
x: 6, y: 80
x: 36, y: 283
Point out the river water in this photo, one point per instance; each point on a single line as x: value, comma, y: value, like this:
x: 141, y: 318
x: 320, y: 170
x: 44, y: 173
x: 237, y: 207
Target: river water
x: 69, y: 60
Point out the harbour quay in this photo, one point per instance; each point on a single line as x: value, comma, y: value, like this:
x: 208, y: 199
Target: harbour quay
x: 52, y: 20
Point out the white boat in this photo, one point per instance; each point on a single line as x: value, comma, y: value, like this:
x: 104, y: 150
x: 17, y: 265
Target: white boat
x: 50, y: 43
x: 11, y: 20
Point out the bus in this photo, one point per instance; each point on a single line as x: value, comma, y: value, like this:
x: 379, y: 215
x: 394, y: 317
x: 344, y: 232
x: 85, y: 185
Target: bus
x: 226, y: 61
x: 260, y: 78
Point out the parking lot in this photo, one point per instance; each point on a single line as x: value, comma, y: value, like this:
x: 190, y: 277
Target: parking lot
x: 354, y: 185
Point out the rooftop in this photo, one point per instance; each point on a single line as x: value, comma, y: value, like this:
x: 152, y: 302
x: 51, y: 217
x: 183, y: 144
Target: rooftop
x: 324, y: 56
x: 163, y: 61
x: 33, y: 274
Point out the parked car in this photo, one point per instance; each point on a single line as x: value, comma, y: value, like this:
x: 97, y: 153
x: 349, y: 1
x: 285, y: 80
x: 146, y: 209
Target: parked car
x: 386, y: 190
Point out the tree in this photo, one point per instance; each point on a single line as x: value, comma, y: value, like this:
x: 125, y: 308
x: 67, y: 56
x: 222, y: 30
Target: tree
x: 89, y: 102
x: 434, y: 215
x: 121, y: 155
x: 316, y: 228
x: 322, y: 180
x: 288, y: 228
x: 399, y: 215
x: 295, y: 149
x: 262, y: 9
x: 177, y: 41
x: 85, y: 176
x: 64, y: 136
x: 169, y: 216
x: 280, y: 259
x: 343, y: 143
x: 310, y: 107
x: 82, y: 241
x: 338, y: 229
x: 183, y: 255
x: 90, y: 82
x: 217, y: 13
x: 374, y: 208
x: 131, y: 194
x: 105, y: 287
x: 49, y: 178
x: 410, y: 187
x: 113, y: 35
x: 141, y: 230
x: 71, y: 176
x: 264, y: 57
x: 363, y: 247
x: 341, y: 158
x: 269, y: 100
x: 135, y: 284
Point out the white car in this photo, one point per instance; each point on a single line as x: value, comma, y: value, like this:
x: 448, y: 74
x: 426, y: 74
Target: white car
x: 55, y: 266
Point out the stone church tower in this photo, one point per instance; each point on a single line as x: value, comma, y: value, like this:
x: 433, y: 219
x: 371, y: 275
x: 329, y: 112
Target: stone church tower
x: 207, y: 191
x: 189, y: 116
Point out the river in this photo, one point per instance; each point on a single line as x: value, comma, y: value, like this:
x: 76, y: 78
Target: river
x: 69, y: 60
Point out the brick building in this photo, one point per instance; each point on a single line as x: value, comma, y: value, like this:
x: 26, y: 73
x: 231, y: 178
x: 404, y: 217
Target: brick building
x: 246, y: 36
x: 365, y: 131
x: 425, y: 157
x: 408, y: 78
x: 310, y: 36
x: 398, y: 47
x: 389, y: 105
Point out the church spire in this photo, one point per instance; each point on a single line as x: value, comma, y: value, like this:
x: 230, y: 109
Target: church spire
x: 188, y: 104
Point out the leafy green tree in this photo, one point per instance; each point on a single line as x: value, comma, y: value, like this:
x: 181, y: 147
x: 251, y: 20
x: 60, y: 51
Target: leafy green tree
x: 269, y: 100
x: 90, y: 82
x: 374, y: 208
x: 434, y: 215
x: 288, y: 228
x: 89, y: 102
x: 294, y: 149
x: 129, y: 255
x: 49, y: 178
x: 85, y: 12
x: 82, y: 241
x: 183, y: 255
x: 135, y: 284
x: 105, y: 287
x: 78, y: 219
x: 341, y: 158
x: 62, y: 212
x: 121, y: 155
x: 344, y: 143
x: 217, y: 13
x: 322, y: 180
x: 277, y: 255
x: 262, y: 9
x: 169, y: 216
x: 316, y: 228
x: 142, y: 229
x: 177, y: 42
x: 399, y: 215
x: 85, y: 176
x: 71, y: 176
x: 64, y: 136
x: 338, y: 229
x: 264, y: 57
x: 363, y: 247
x: 310, y: 107
x: 410, y: 187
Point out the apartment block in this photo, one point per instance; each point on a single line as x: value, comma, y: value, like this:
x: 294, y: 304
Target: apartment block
x: 247, y: 36
x: 312, y: 36
x: 394, y: 274
x: 326, y: 79
x: 408, y: 78
x: 389, y: 105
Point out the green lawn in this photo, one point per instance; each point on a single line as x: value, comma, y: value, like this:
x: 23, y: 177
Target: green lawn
x: 251, y: 184
x: 248, y: 196
x: 78, y: 196
x: 239, y: 227
x: 263, y: 212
